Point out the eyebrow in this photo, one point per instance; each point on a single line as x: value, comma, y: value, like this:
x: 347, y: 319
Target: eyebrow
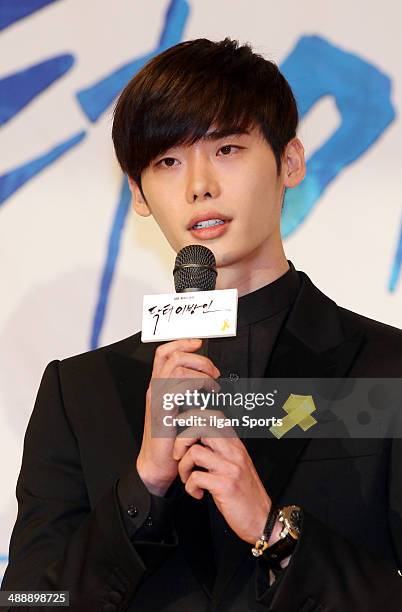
x: 218, y: 134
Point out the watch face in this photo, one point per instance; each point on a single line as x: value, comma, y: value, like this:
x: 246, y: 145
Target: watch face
x: 293, y: 517
x: 296, y: 519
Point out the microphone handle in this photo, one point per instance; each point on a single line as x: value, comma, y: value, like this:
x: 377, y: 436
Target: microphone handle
x: 203, y: 350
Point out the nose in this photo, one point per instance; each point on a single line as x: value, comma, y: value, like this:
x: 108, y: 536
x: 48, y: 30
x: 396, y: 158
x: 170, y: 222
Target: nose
x: 202, y: 182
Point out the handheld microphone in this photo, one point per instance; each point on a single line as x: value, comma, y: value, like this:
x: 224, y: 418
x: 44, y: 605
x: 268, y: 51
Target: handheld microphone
x: 197, y: 309
x: 195, y: 270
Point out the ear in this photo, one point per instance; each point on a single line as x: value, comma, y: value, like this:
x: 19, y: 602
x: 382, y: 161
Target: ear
x: 139, y: 203
x: 293, y: 162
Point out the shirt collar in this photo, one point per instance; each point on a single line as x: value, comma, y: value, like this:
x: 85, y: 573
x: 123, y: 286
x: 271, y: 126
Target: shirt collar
x: 270, y: 299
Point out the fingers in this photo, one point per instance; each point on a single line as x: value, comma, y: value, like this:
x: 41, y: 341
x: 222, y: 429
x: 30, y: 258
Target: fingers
x: 197, y: 456
x: 200, y: 481
x: 166, y: 350
x: 224, y: 441
x: 185, y: 344
x: 230, y: 447
x: 188, y: 380
x: 174, y: 364
x: 180, y: 359
x: 168, y: 395
x: 172, y: 356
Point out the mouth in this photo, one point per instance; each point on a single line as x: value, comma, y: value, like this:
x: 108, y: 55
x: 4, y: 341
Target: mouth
x: 207, y: 218
x: 207, y: 223
x: 209, y: 228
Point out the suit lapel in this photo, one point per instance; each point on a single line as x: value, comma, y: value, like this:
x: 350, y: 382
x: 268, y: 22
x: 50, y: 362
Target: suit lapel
x: 310, y: 345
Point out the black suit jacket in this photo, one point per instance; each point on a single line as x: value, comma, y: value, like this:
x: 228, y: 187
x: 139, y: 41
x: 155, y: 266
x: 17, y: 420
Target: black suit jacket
x: 85, y: 433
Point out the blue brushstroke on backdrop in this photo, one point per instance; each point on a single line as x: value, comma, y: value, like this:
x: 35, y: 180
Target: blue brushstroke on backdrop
x: 315, y: 69
x: 19, y: 89
x: 397, y: 265
x: 3, y: 559
x: 362, y: 93
x: 96, y: 99
x: 13, y: 180
x: 14, y: 10
x: 113, y: 249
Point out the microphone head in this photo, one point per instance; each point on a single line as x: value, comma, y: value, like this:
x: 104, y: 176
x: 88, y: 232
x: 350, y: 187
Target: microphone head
x: 194, y: 269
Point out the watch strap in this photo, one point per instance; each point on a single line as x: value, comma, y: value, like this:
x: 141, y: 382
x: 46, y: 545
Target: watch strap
x: 291, y: 519
x: 262, y: 543
x: 280, y: 550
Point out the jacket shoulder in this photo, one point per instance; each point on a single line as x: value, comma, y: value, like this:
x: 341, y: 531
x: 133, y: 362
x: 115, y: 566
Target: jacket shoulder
x: 126, y: 347
x: 381, y: 352
x: 373, y: 330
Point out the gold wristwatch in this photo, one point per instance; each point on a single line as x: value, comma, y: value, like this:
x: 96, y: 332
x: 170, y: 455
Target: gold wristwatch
x: 291, y: 519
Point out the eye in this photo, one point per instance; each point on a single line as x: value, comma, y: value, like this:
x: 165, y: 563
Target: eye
x: 227, y: 149
x: 166, y: 162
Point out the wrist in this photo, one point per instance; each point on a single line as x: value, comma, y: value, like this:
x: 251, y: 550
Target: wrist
x: 259, y: 521
x: 275, y: 535
x: 155, y: 483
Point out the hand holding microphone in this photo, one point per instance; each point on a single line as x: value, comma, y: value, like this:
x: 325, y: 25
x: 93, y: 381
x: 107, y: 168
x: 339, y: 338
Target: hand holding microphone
x: 194, y: 271
x: 174, y: 360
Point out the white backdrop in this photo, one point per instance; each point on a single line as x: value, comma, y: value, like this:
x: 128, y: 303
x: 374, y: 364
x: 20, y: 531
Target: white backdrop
x: 55, y: 228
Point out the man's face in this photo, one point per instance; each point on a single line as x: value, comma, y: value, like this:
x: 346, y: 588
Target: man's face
x: 231, y: 179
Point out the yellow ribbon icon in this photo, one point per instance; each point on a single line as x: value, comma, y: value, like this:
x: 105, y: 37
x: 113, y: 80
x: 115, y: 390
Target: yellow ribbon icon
x: 299, y: 409
x: 225, y: 325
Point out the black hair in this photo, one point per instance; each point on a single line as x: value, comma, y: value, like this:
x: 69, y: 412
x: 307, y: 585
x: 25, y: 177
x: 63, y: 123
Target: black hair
x: 179, y: 94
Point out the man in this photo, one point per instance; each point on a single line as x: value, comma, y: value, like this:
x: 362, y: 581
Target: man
x: 206, y: 133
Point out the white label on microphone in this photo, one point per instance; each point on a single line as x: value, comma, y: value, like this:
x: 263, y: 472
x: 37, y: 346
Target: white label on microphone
x: 196, y: 314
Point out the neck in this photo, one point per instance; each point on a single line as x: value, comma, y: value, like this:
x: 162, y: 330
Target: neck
x: 258, y: 270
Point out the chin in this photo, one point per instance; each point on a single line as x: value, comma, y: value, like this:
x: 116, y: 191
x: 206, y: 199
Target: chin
x: 227, y: 259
